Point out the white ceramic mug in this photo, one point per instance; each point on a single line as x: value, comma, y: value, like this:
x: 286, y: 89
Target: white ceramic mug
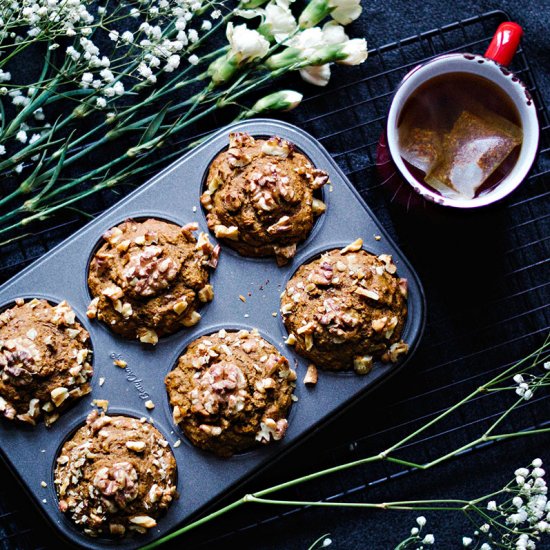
x: 492, y: 67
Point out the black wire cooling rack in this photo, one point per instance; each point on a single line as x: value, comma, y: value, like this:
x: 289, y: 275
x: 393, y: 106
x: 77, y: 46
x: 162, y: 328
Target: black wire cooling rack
x: 473, y: 330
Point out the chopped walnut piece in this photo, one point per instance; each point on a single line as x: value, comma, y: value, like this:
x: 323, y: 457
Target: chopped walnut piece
x: 149, y: 336
x: 362, y: 364
x: 277, y: 147
x: 149, y: 405
x: 311, y: 375
x: 367, y: 293
x: 180, y: 306
x: 136, y: 446
x: 149, y: 271
x: 404, y: 287
x: 223, y: 232
x: 59, y: 395
x: 191, y: 320
x: 352, y: 247
x: 206, y: 294
x: 91, y: 313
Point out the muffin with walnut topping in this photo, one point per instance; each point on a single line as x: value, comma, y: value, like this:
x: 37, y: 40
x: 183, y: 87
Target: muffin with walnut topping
x: 150, y: 277
x: 231, y: 391
x: 45, y: 360
x: 345, y: 309
x: 115, y: 475
x: 260, y: 196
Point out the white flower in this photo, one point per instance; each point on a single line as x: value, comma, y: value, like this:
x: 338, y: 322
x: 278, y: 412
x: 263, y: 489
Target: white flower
x: 334, y: 33
x: 39, y: 114
x: 4, y: 76
x: 345, y: 11
x: 172, y: 63
x: 537, y: 463
x: 318, y: 75
x: 107, y: 75
x: 206, y: 25
x: 538, y: 472
x: 518, y: 379
x: 34, y: 137
x: 2, y: 150
x: 118, y: 87
x: 485, y: 528
x: 428, y: 539
x: 308, y: 40
x: 127, y: 37
x: 523, y: 472
x: 527, y: 395
x: 517, y: 502
x: 20, y: 101
x: 71, y: 52
x: 421, y: 520
x: 414, y: 531
x: 216, y: 14
x: 283, y: 100
x: 466, y: 541
x: 485, y: 546
x: 492, y: 506
x: 101, y: 103
x: 19, y: 168
x: 279, y: 21
x: 21, y: 136
x: 246, y: 44
x: 355, y: 50
x: 193, y: 35
x: 87, y: 79
x: 546, y: 365
x: 327, y: 542
x: 193, y: 59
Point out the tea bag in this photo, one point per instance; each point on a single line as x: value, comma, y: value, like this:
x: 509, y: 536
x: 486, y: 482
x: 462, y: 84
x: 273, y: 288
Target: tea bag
x: 476, y: 146
x: 421, y: 147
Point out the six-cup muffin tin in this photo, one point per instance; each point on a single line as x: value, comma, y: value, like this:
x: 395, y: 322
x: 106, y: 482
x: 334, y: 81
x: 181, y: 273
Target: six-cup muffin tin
x: 173, y: 195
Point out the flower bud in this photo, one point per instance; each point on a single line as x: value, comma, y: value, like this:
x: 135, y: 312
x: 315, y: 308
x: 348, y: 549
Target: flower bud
x: 284, y: 100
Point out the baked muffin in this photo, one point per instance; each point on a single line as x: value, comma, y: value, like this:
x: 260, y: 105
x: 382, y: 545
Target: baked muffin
x: 231, y: 391
x: 44, y: 360
x: 149, y: 278
x: 259, y: 196
x: 345, y: 309
x: 114, y: 475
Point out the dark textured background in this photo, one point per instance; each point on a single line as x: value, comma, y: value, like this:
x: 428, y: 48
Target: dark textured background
x: 485, y: 276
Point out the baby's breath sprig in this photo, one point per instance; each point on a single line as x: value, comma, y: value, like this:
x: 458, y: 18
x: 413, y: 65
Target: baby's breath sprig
x: 113, y: 80
x: 512, y: 520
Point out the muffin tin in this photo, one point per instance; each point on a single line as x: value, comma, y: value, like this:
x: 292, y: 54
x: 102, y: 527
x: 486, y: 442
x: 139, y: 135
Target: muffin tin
x: 173, y: 195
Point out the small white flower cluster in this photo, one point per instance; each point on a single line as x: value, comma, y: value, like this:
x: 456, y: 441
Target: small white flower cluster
x: 416, y: 540
x: 52, y: 17
x: 528, y: 513
x: 523, y: 389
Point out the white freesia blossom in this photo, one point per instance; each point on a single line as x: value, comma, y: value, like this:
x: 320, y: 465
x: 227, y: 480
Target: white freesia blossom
x: 318, y: 75
x: 246, y: 44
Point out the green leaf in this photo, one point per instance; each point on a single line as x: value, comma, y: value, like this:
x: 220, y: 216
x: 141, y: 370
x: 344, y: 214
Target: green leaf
x: 153, y: 128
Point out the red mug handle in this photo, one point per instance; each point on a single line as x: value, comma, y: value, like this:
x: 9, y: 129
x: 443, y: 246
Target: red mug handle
x: 505, y: 42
